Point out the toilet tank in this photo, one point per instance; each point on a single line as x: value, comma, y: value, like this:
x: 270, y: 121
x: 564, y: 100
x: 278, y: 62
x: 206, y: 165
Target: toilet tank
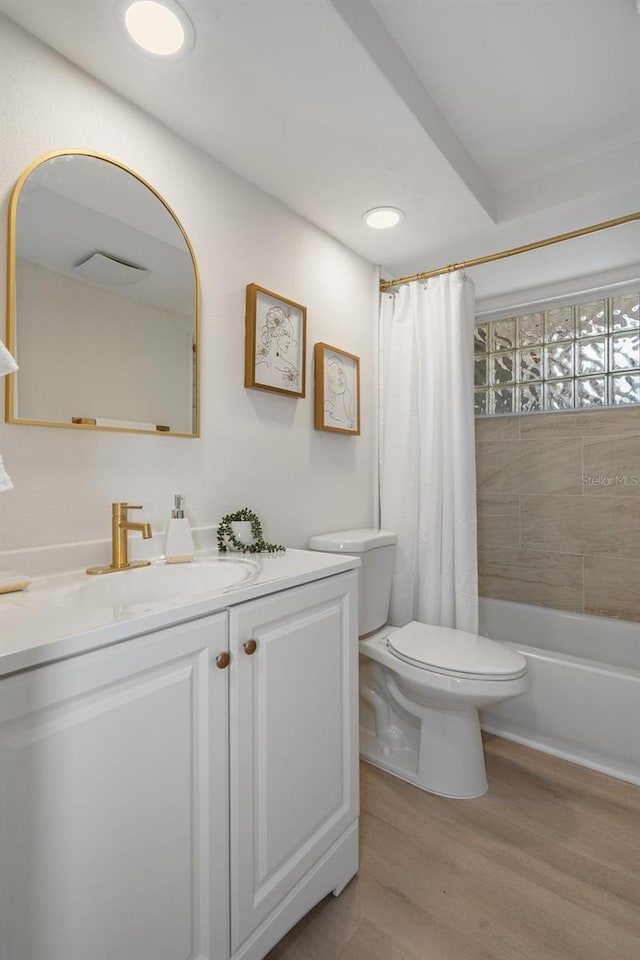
x: 376, y: 550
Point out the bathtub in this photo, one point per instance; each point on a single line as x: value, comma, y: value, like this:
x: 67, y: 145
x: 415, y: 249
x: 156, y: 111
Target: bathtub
x: 584, y: 700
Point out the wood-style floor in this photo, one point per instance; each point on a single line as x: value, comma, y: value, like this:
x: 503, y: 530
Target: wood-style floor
x: 546, y: 866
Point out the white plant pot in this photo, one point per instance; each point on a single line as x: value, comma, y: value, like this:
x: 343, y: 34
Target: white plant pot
x: 242, y: 531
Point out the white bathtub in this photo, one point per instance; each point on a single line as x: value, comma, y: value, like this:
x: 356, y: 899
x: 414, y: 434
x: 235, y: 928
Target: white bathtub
x: 584, y: 699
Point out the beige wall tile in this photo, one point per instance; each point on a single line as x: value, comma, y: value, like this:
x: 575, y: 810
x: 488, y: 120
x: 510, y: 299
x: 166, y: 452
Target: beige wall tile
x: 611, y: 466
x: 612, y: 587
x: 550, y: 425
x: 498, y: 519
x: 592, y: 423
x: 598, y: 526
x: 498, y: 531
x: 539, y: 519
x: 616, y: 611
x: 524, y: 576
x: 581, y: 423
x: 498, y: 504
x: 530, y: 466
x: 497, y: 428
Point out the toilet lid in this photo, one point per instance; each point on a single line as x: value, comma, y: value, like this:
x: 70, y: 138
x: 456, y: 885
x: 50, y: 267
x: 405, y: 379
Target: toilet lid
x: 455, y: 653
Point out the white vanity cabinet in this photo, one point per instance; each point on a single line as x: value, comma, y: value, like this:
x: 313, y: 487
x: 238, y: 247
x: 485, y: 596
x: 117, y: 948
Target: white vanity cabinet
x: 294, y: 756
x: 113, y: 802
x: 155, y: 805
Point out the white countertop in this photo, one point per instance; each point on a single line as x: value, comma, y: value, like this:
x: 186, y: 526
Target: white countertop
x: 35, y: 630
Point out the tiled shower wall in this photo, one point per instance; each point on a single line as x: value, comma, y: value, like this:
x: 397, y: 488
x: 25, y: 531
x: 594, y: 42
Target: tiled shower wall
x: 559, y: 510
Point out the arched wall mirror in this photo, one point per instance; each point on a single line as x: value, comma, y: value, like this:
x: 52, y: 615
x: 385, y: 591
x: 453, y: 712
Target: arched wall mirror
x: 102, y: 301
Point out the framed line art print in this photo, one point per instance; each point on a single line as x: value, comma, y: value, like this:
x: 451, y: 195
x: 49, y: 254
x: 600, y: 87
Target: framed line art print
x: 275, y: 343
x: 337, y: 394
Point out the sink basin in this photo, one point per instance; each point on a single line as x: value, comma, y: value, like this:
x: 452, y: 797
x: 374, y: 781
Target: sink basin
x: 164, y: 583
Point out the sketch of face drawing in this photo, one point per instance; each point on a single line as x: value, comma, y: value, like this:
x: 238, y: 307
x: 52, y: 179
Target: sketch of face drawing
x: 337, y: 405
x: 278, y: 328
x: 284, y: 342
x: 335, y: 377
x: 276, y: 342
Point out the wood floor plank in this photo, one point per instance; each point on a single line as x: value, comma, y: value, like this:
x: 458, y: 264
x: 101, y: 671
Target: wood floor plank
x: 546, y: 866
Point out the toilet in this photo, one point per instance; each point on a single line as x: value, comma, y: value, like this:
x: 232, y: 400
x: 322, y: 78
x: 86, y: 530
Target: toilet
x: 421, y: 686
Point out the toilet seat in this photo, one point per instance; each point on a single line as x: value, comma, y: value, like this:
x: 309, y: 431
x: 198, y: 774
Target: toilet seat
x: 455, y: 653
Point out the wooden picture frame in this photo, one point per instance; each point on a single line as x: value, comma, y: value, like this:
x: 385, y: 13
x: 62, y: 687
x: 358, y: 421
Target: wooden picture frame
x: 275, y: 343
x: 337, y: 390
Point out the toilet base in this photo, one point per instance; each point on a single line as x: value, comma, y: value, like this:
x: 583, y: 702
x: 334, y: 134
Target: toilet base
x: 402, y: 775
x: 436, y: 747
x: 444, y: 756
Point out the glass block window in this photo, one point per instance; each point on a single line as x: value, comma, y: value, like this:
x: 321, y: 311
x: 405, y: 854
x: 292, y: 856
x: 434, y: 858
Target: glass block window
x: 583, y: 355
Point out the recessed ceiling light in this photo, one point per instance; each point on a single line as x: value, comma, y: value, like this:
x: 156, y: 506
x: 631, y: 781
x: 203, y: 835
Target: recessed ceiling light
x: 160, y: 28
x: 381, y: 218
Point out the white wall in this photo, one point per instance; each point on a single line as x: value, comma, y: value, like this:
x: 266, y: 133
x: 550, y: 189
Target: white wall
x: 256, y: 449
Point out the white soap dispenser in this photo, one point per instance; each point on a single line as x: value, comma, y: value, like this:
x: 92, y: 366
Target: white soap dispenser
x: 178, y: 543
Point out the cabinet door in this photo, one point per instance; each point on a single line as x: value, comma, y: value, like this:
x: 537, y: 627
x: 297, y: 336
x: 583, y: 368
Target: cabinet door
x: 113, y: 802
x: 293, y: 730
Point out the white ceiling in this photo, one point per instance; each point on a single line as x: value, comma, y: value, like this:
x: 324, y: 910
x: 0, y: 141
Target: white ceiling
x: 531, y: 87
x: 169, y: 281
x: 464, y: 113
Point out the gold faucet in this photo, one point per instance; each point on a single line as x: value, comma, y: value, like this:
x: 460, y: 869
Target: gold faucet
x: 120, y: 524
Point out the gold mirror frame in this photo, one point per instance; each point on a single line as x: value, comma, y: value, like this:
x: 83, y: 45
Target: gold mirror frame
x: 9, y: 415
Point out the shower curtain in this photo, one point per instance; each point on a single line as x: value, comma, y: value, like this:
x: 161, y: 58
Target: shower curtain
x: 427, y: 450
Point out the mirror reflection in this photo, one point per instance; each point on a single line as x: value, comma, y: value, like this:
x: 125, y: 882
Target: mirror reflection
x: 103, y: 307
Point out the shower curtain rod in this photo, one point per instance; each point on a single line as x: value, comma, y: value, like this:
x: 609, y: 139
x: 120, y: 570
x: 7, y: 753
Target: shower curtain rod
x: 386, y: 284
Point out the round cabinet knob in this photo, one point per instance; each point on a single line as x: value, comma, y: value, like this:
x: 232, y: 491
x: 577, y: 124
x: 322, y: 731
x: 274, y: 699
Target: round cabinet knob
x: 250, y: 647
x: 223, y: 660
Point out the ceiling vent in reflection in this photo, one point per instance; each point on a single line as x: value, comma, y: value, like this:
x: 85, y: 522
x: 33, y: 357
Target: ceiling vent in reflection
x: 108, y: 271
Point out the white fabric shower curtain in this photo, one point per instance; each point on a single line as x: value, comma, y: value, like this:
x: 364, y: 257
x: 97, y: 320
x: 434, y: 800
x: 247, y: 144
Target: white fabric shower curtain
x: 427, y: 450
